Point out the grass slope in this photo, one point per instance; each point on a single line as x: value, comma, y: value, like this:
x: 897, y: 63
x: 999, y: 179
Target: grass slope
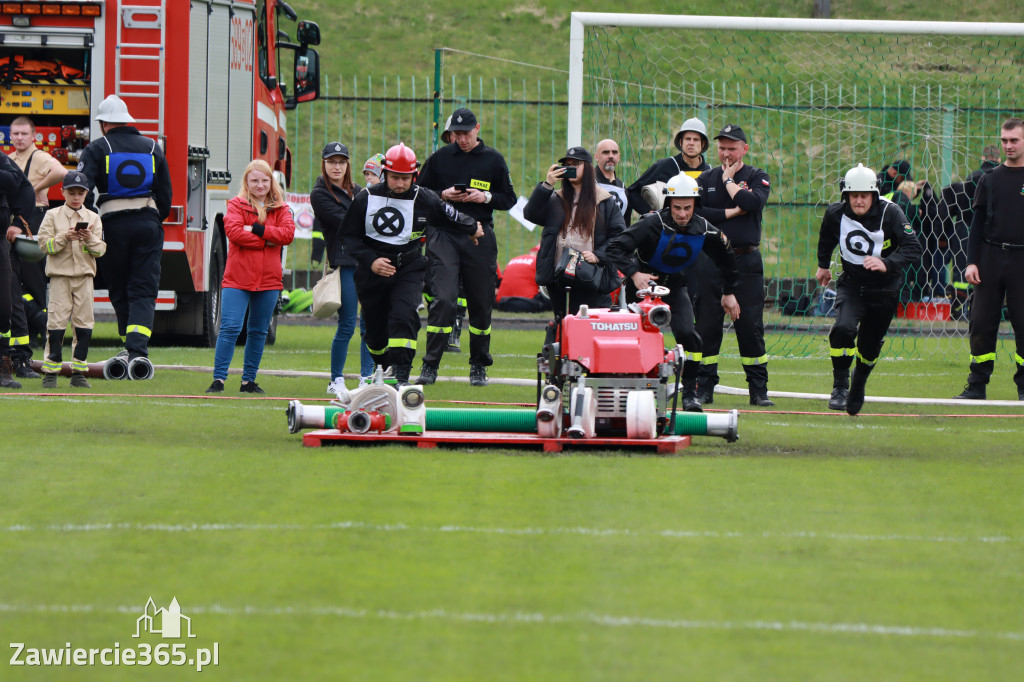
x: 818, y: 547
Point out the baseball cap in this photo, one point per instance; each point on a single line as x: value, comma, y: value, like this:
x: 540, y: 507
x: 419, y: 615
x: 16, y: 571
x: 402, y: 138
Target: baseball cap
x: 462, y: 119
x: 577, y: 153
x: 903, y: 168
x: 732, y: 132
x: 76, y: 179
x: 335, y: 149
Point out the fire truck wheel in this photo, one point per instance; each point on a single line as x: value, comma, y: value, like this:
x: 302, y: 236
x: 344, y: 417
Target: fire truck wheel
x: 211, y: 299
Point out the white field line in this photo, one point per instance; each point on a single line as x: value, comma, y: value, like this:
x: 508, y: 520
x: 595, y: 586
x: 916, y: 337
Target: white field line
x: 498, y: 530
x: 537, y: 618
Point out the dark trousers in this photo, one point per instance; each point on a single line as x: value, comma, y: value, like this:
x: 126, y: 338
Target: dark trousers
x: 1002, y: 279
x: 450, y: 256
x: 5, y: 294
x: 862, y: 321
x: 389, y: 308
x: 683, y: 325
x: 131, y: 268
x: 749, y: 327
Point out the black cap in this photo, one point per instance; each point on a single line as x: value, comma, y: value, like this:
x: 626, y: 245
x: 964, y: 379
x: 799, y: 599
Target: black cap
x: 578, y: 153
x: 732, y: 132
x: 335, y: 149
x: 462, y: 120
x: 903, y: 168
x: 76, y: 179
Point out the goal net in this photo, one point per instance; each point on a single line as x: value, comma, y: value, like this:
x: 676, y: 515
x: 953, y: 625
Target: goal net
x: 815, y: 97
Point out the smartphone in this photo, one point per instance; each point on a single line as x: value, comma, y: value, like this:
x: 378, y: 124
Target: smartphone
x: 570, y: 172
x: 82, y: 226
x: 460, y: 187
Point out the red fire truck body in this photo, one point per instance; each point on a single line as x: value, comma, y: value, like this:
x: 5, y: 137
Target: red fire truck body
x: 202, y: 77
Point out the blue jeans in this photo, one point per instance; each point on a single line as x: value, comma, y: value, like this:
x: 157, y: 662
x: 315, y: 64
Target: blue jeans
x: 347, y: 315
x: 233, y: 304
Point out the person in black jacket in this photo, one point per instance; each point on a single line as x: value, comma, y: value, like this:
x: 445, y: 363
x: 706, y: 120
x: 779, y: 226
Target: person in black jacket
x: 384, y: 231
x: 995, y: 262
x: 732, y: 198
x: 956, y: 210
x: 475, y: 177
x: 876, y: 244
x: 331, y: 198
x: 692, y: 142
x: 17, y: 199
x: 581, y: 214
x: 134, y: 186
x: 659, y: 249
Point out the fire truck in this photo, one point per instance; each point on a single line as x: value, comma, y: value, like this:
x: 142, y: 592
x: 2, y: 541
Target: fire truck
x: 206, y: 79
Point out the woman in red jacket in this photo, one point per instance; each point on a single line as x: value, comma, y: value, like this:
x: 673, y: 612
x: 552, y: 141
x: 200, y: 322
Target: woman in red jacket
x: 258, y: 223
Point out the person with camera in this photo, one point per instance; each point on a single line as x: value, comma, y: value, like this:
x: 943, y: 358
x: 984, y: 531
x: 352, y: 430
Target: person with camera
x: 384, y: 230
x: 659, y: 249
x: 579, y: 219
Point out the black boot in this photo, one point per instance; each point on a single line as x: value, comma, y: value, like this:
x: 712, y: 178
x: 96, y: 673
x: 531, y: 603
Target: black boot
x: 690, y: 402
x: 855, y: 399
x: 705, y: 391
x: 840, y: 389
x: 401, y: 374
x: 973, y: 392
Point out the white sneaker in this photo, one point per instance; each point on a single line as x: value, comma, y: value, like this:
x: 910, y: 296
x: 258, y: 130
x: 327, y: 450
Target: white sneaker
x: 337, y: 388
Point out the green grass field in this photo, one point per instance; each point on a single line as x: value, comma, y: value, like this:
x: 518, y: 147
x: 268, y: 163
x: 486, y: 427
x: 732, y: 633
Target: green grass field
x: 818, y: 547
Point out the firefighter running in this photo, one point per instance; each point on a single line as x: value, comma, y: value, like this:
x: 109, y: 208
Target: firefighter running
x: 134, y: 185
x: 384, y: 231
x: 876, y: 244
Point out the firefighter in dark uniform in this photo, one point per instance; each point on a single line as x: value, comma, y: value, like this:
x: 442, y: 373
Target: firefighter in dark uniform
x: 484, y: 185
x: 995, y: 262
x: 17, y: 199
x: 692, y: 143
x: 659, y: 249
x: 876, y: 244
x: 384, y: 230
x: 134, y: 187
x: 733, y: 197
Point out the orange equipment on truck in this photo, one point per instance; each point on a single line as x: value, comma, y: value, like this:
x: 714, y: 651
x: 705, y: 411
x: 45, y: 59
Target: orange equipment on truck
x: 204, y: 78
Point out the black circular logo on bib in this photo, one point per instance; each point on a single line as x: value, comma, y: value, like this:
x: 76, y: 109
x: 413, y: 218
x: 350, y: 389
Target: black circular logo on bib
x: 677, y: 255
x: 389, y: 222
x: 618, y: 200
x: 130, y: 174
x: 859, y: 243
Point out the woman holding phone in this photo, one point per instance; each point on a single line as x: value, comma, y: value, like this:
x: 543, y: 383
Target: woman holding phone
x: 580, y: 214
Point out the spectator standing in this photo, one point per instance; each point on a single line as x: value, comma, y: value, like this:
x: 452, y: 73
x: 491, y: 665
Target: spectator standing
x: 474, y: 177
x: 71, y: 236
x: 331, y: 198
x: 606, y: 161
x: 995, y: 262
x: 733, y: 197
x: 692, y: 142
x: 257, y: 224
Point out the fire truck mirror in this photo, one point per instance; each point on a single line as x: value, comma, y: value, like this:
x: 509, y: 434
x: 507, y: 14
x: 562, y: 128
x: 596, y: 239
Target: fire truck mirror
x: 306, y: 84
x: 308, y: 33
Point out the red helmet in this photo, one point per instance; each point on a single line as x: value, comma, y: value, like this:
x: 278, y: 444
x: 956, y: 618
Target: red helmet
x: 400, y: 159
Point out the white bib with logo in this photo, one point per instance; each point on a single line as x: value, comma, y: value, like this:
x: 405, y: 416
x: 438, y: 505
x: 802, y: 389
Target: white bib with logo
x: 389, y: 220
x: 619, y: 195
x: 856, y: 242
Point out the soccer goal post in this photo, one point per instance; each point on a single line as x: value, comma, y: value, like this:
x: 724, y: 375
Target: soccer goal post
x: 816, y: 97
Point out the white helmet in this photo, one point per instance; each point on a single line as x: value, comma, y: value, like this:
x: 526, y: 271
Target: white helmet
x: 113, y: 110
x: 692, y: 125
x: 683, y: 186
x: 860, y: 179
